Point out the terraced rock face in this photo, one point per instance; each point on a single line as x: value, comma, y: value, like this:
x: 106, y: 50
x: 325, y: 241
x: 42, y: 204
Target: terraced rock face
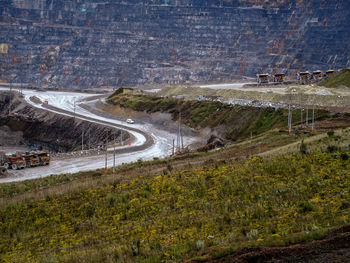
x: 91, y: 43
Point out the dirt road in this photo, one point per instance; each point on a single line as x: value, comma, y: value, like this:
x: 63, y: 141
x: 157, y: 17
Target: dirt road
x: 148, y: 143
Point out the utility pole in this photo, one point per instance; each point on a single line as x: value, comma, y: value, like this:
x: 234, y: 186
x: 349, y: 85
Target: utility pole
x: 181, y: 137
x: 289, y: 120
x: 301, y: 117
x: 251, y: 142
x: 313, y: 119
x: 106, y: 154
x: 82, y: 138
x: 89, y: 137
x: 178, y: 138
x: 10, y: 105
x: 173, y: 151
x: 74, y: 107
x: 301, y: 110
x: 114, y: 156
x: 307, y: 117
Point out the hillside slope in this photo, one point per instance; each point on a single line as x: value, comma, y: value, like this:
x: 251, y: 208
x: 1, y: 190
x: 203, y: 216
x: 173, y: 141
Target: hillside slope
x: 341, y: 78
x: 184, y: 214
x: 229, y: 121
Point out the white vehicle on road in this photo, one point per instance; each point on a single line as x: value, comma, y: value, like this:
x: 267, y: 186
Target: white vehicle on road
x: 130, y: 121
x: 68, y: 104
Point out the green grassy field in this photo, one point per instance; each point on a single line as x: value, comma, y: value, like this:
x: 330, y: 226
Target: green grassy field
x: 180, y: 215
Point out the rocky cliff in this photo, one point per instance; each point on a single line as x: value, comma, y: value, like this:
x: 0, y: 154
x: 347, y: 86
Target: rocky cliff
x: 32, y: 126
x: 94, y: 43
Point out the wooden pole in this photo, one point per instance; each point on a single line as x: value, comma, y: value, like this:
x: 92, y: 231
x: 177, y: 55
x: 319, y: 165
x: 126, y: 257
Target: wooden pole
x: 106, y: 154
x: 313, y: 119
x: 114, y: 157
x: 82, y: 138
x: 74, y: 107
x: 307, y: 117
x: 181, y: 137
x: 289, y: 121
x: 173, y: 147
x: 89, y: 138
x: 301, y: 110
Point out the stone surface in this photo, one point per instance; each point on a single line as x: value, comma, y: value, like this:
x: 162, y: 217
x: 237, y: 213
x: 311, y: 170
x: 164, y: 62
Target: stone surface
x: 90, y: 43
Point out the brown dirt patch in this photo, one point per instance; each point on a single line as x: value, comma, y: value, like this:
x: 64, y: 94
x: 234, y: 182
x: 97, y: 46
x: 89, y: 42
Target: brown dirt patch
x: 335, y: 247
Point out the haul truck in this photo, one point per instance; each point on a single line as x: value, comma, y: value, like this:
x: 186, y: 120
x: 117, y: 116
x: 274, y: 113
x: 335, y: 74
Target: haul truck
x: 13, y: 161
x: 29, y: 159
x: 32, y: 160
x: 44, y: 158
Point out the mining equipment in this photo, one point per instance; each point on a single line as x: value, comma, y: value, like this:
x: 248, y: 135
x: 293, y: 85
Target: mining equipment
x: 279, y: 77
x: 32, y: 160
x: 44, y: 158
x: 13, y: 161
x: 317, y: 75
x: 29, y: 159
x: 304, y: 77
x: 330, y: 73
x: 262, y: 78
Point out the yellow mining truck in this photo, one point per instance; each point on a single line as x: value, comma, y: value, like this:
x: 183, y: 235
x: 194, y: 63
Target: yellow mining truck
x: 32, y: 160
x: 304, y: 77
x: 44, y: 158
x: 279, y: 77
x: 262, y: 78
x: 13, y: 161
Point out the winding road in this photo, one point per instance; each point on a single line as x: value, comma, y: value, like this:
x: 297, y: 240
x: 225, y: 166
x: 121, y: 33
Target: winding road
x: 148, y: 142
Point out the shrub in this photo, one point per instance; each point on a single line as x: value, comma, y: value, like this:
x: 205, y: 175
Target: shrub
x: 252, y: 234
x: 344, y: 156
x: 111, y: 199
x: 303, y: 147
x: 305, y: 207
x: 90, y: 210
x: 330, y: 133
x: 332, y: 148
x: 200, y: 244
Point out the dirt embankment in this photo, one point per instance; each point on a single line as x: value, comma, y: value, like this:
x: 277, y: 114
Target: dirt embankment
x: 335, y: 247
x: 33, y: 126
x: 161, y: 120
x: 231, y: 122
x: 335, y: 99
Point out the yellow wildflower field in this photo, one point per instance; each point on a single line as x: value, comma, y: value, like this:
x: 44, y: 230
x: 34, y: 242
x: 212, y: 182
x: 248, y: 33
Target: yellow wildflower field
x: 179, y: 215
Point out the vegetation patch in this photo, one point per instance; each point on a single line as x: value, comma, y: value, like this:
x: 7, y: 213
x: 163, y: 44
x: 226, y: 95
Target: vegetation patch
x: 181, y: 215
x: 341, y: 78
x: 238, y: 121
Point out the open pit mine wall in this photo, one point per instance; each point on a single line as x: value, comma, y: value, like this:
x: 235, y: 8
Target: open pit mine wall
x: 90, y: 43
